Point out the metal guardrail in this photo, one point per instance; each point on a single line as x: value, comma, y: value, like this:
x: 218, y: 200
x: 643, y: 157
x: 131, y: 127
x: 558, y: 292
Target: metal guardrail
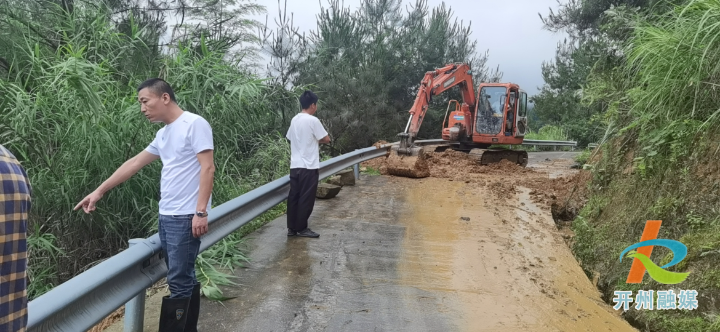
x: 549, y: 143
x: 85, y: 300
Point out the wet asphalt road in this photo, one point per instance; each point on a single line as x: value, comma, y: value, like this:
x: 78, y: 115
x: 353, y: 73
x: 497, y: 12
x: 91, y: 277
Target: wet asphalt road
x: 347, y: 280
x: 343, y: 281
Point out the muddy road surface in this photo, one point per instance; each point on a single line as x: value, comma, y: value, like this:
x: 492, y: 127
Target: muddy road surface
x: 469, y: 249
x: 454, y: 253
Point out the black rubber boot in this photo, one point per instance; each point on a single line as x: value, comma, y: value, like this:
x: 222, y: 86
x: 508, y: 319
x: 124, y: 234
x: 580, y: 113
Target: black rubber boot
x: 174, y: 314
x: 193, y: 310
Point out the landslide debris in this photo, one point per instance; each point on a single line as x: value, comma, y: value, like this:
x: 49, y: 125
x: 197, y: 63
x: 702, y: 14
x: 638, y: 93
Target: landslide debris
x: 554, y: 185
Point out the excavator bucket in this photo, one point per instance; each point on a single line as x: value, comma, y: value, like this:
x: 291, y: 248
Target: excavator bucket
x: 410, y: 163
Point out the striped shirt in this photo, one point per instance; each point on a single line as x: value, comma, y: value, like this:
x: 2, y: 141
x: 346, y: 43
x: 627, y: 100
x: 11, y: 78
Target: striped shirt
x: 14, y: 207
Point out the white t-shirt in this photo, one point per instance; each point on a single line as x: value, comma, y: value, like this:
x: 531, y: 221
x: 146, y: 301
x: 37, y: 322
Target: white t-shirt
x: 178, y: 144
x: 304, y: 133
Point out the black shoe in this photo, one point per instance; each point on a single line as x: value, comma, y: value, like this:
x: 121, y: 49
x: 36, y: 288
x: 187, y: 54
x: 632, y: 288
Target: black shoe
x: 173, y: 314
x: 291, y: 232
x: 193, y: 310
x: 307, y: 233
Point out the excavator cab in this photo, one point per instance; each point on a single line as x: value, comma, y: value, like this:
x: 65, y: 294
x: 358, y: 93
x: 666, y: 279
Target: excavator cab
x: 490, y: 110
x: 501, y: 115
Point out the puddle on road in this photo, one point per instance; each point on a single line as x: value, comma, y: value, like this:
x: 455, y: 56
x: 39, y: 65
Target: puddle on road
x: 495, y: 265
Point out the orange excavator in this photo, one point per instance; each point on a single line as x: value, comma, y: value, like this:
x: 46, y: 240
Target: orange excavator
x: 497, y: 116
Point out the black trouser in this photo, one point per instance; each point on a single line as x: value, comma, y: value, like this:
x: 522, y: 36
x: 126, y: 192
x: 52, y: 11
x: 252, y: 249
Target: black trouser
x: 301, y: 199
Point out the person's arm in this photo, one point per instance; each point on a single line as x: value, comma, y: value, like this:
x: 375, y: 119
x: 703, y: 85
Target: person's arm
x: 207, y: 175
x: 202, y: 144
x: 124, y: 172
x: 127, y: 170
x: 320, y: 133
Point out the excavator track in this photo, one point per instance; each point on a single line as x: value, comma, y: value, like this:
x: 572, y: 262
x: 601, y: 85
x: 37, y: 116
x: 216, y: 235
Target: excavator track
x: 491, y: 156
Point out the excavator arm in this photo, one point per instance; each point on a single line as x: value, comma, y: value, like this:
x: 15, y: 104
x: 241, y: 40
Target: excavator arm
x: 434, y: 83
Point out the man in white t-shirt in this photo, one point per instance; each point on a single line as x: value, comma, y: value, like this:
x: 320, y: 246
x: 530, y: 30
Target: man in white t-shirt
x: 306, y: 133
x: 185, y: 146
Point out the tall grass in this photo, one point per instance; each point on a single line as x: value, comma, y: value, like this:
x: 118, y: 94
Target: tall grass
x: 72, y: 118
x: 668, y: 90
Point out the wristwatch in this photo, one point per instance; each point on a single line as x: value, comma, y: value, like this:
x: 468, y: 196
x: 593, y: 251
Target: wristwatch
x: 201, y: 214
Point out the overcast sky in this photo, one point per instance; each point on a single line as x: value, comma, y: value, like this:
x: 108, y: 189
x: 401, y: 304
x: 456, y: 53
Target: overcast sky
x: 511, y: 31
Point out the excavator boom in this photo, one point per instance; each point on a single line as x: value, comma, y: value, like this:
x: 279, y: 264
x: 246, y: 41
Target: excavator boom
x: 409, y: 160
x: 434, y: 83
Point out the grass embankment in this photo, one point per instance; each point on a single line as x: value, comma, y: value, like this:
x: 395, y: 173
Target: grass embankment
x: 686, y: 196
x: 660, y: 163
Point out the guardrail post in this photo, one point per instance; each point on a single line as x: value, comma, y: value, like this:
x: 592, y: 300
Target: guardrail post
x: 135, y: 308
x: 356, y: 169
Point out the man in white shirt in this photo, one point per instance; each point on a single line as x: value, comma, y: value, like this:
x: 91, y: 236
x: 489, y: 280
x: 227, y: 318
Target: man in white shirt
x: 306, y: 133
x: 185, y: 146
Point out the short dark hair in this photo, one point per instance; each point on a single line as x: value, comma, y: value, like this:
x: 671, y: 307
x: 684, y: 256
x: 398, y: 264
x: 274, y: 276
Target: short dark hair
x: 159, y: 86
x: 308, y: 98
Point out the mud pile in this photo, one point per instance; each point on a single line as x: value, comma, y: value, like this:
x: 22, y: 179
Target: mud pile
x: 451, y: 164
x: 564, y: 195
x: 378, y: 144
x: 504, y: 190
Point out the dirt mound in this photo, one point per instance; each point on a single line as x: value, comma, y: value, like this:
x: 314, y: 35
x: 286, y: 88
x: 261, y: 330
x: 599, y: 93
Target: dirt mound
x: 377, y: 164
x: 506, y: 166
x: 504, y: 190
x: 451, y: 164
x: 379, y: 144
x: 564, y: 195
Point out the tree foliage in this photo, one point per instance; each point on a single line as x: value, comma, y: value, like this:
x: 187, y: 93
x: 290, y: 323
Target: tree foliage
x: 366, y: 65
x: 559, y: 102
x: 597, y: 31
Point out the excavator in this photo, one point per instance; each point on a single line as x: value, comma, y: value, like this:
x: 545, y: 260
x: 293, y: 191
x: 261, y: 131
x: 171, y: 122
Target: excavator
x: 497, y: 115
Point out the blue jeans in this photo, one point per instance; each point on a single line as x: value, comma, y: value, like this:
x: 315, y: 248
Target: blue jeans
x: 181, y: 249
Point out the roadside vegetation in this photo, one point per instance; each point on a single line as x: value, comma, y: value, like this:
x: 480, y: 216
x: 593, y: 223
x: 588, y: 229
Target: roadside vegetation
x: 647, y: 72
x: 68, y: 109
x: 547, y: 133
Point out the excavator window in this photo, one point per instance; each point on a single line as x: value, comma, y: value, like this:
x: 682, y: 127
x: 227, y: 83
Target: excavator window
x: 491, y: 105
x: 523, y: 104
